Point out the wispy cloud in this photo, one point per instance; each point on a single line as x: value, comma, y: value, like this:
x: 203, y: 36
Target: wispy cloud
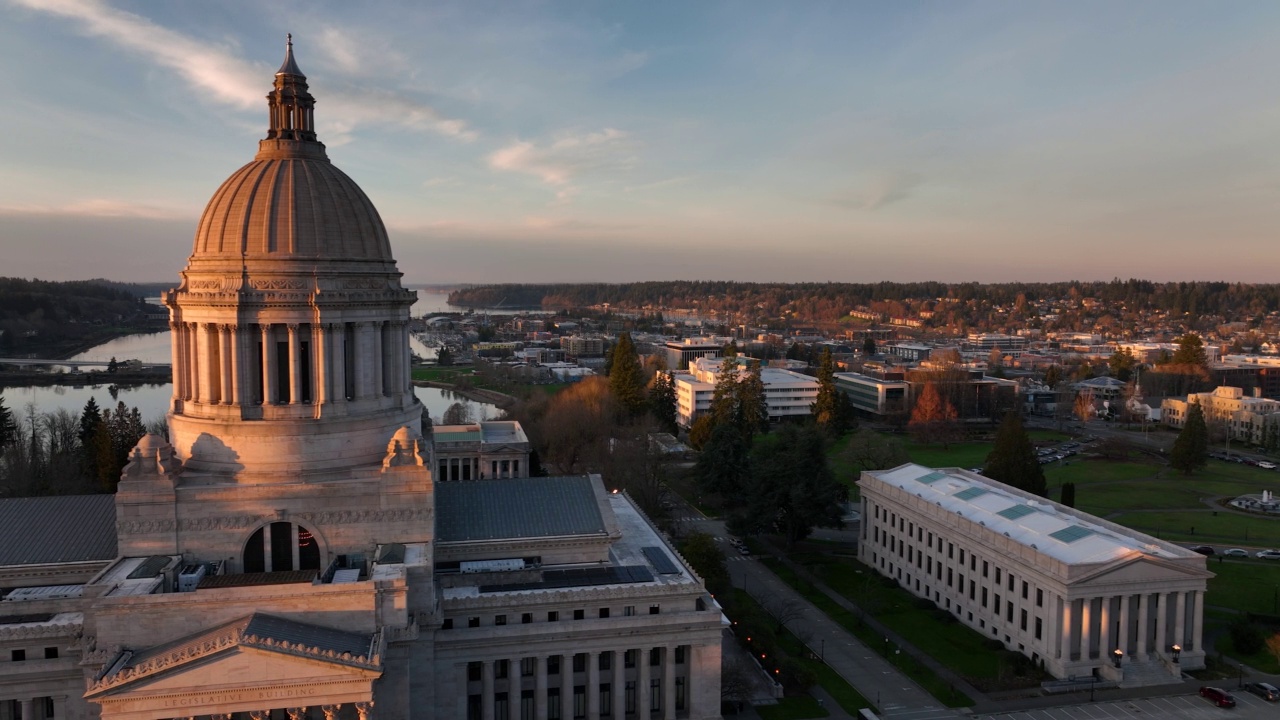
x: 99, y: 207
x: 558, y: 163
x: 881, y: 191
x: 231, y: 80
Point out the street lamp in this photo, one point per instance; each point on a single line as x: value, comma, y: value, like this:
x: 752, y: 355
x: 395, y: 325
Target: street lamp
x: 886, y: 647
x: 1177, y: 650
x: 1116, y: 656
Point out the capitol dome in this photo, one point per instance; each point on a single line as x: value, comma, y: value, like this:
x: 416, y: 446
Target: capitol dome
x: 290, y: 202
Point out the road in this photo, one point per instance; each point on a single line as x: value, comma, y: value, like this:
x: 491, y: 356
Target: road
x: 1179, y: 707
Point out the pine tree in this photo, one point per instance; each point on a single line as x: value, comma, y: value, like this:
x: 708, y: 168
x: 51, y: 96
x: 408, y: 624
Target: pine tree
x: 1191, y: 449
x: 8, y: 428
x: 626, y: 377
x: 90, y: 420
x: 724, y: 397
x: 753, y: 405
x: 1012, y: 459
x: 1190, y: 351
x: 868, y: 345
x: 1053, y: 376
x: 829, y: 412
x: 662, y: 401
x: 1068, y: 496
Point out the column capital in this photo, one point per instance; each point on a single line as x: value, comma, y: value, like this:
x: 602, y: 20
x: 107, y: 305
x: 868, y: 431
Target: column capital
x: 296, y: 713
x: 365, y: 709
x: 259, y: 715
x: 330, y: 711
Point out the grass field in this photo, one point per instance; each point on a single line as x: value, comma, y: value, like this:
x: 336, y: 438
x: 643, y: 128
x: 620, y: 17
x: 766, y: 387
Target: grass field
x: 796, y: 707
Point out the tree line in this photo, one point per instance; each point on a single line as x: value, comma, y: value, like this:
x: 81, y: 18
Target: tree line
x: 60, y: 453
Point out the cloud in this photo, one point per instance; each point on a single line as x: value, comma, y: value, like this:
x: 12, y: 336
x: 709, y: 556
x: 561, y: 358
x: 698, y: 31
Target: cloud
x: 566, y: 158
x: 102, y: 208
x: 231, y: 80
x: 882, y: 191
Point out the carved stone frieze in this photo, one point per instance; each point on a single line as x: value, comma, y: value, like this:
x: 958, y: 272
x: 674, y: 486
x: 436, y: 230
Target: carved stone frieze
x: 241, y: 522
x: 279, y: 284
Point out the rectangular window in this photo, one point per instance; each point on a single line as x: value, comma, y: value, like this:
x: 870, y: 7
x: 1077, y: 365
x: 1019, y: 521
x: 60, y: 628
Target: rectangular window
x: 629, y: 658
x: 655, y: 657
x: 680, y: 654
x: 984, y: 597
x: 985, y: 568
x: 500, y: 669
x: 1008, y: 611
x: 680, y: 694
x: 606, y: 700
x: 579, y: 662
x: 604, y: 613
x: 553, y: 665
x: 50, y: 653
x: 654, y: 609
x: 951, y: 551
x: 552, y: 616
x: 1037, y: 628
x: 553, y: 704
x: 629, y: 610
x: 473, y: 671
x: 997, y: 576
x: 579, y: 614
x: 1025, y: 588
x: 526, y: 705
x: 995, y: 606
x: 526, y: 618
x: 579, y: 701
x: 604, y: 660
x: 1022, y: 623
x: 527, y: 666
x: 655, y: 695
x: 446, y: 624
x: 473, y: 707
x: 961, y: 556
x: 972, y: 589
x: 473, y: 622
x: 499, y: 619
x: 500, y: 709
x: 1039, y: 597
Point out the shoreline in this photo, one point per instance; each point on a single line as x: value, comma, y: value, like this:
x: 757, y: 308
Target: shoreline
x: 501, y: 400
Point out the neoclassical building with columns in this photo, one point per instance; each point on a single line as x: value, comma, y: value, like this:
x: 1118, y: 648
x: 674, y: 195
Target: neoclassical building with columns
x: 286, y: 553
x: 1056, y: 584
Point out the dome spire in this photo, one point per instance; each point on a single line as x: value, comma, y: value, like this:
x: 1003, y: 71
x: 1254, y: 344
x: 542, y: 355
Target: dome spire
x: 291, y: 107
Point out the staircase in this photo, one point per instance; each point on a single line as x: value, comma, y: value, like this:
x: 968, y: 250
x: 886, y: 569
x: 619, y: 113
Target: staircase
x: 1144, y: 673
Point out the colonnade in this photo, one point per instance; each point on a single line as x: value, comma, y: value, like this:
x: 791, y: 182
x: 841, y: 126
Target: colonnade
x: 1137, y: 625
x: 630, y: 684
x: 289, y: 363
x: 478, y: 468
x: 363, y: 711
x: 34, y: 708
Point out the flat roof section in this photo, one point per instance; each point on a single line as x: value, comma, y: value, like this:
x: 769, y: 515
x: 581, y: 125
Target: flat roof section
x: 58, y: 529
x: 509, y: 508
x: 1067, y: 535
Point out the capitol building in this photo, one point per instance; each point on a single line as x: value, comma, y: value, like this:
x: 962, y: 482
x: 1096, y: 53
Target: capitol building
x: 286, y: 552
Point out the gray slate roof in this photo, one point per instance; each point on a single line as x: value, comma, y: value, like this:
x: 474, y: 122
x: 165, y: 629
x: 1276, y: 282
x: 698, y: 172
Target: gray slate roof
x: 516, y: 508
x: 62, y: 528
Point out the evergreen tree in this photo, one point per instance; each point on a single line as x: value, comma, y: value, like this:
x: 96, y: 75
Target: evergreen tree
x: 753, y: 405
x: 1053, y: 376
x: 1191, y: 449
x: 796, y: 351
x: 723, y: 466
x: 1013, y: 460
x: 1122, y: 363
x: 90, y: 420
x: 1068, y: 496
x: 868, y: 345
x: 724, y: 397
x: 792, y: 489
x: 626, y: 377
x: 444, y: 358
x: 662, y: 401
x: 8, y: 428
x: 1190, y: 351
x: 830, y: 409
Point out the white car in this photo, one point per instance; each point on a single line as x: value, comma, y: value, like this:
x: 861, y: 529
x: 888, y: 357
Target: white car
x: 1268, y: 554
x: 1235, y: 552
x: 1266, y: 465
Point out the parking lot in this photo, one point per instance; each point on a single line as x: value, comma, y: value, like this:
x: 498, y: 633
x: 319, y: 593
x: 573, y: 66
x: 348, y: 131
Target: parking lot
x: 1190, y: 707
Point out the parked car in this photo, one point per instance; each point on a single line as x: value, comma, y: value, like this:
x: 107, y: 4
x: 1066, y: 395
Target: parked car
x: 1235, y: 552
x: 1266, y: 691
x: 1266, y: 465
x: 1218, y: 696
x: 1268, y: 554
x: 1202, y: 549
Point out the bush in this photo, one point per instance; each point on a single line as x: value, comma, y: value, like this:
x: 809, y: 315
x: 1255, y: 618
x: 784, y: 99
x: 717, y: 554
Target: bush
x: 1247, y: 638
x: 891, y: 583
x: 993, y: 644
x: 943, y: 616
x: 924, y: 604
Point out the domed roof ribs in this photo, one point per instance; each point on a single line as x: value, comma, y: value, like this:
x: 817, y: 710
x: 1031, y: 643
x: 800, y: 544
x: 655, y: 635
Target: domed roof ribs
x: 292, y: 109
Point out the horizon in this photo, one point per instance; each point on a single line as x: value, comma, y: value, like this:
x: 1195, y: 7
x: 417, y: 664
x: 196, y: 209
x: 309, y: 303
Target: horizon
x: 833, y: 142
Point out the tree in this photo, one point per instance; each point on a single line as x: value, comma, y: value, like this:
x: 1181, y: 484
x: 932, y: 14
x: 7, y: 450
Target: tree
x: 662, y: 401
x: 792, y: 489
x: 457, y: 414
x: 1083, y: 407
x: 1013, y: 460
x: 8, y: 429
x: 933, y: 417
x: 700, y: 431
x: 1053, y: 376
x: 1191, y: 449
x: 831, y: 410
x: 724, y: 396
x: 113, y: 366
x: 444, y: 357
x: 753, y: 406
x: 1068, y: 496
x: 704, y: 555
x: 1122, y: 363
x: 1190, y: 351
x: 626, y: 377
x: 868, y: 345
x: 724, y: 465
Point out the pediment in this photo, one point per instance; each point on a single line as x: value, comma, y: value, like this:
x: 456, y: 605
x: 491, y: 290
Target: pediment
x: 1142, y: 569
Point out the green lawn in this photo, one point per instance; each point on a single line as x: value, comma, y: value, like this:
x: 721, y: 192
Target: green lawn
x: 1224, y: 528
x: 964, y: 455
x: 1245, y: 585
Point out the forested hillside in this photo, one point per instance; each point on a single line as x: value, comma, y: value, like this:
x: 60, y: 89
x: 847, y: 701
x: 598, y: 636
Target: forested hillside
x: 38, y: 316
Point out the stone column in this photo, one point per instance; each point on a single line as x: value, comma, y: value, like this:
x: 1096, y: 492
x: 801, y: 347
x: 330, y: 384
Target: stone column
x: 404, y: 382
x: 242, y: 373
x: 1066, y: 629
x: 1122, y: 642
x: 270, y: 395
x: 669, y: 683
x: 175, y: 357
x: 566, y: 687
x: 1086, y: 628
x: 540, y: 687
x: 1162, y: 619
x: 28, y: 709
x: 225, y: 360
x: 1179, y: 617
x: 192, y: 333
x: 1144, y: 610
x: 514, y: 686
x: 378, y: 357
x: 320, y: 371
x: 200, y: 368
x: 1052, y: 616
x: 1197, y: 619
x: 593, y: 685
x: 295, y: 365
x: 619, y: 688
x: 59, y: 707
x: 642, y: 684
x: 486, y: 690
x: 365, y: 710
x: 1104, y: 626
x: 338, y: 333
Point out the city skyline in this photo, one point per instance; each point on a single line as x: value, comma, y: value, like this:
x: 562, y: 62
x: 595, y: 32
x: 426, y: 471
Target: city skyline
x: 544, y: 143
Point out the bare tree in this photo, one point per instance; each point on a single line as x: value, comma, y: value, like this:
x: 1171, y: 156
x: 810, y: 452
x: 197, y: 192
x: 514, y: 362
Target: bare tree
x: 737, y: 680
x: 783, y: 610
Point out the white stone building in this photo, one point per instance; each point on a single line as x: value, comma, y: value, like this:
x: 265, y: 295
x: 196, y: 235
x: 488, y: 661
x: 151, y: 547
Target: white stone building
x: 1243, y: 417
x: 287, y: 552
x: 787, y: 393
x: 479, y: 451
x: 1051, y: 582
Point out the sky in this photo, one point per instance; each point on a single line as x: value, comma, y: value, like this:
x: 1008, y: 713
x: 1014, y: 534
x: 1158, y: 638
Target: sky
x: 508, y: 141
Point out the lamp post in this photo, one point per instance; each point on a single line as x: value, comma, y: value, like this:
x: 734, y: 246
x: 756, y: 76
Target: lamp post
x: 886, y: 647
x: 1116, y: 656
x: 1177, y: 650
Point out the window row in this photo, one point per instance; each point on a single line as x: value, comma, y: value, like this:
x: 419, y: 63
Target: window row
x: 552, y: 616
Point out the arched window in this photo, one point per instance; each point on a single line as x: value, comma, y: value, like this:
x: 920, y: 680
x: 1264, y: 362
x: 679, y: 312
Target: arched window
x: 281, y: 546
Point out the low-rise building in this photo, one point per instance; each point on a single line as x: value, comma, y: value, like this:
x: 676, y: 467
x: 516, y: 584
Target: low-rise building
x: 787, y: 394
x: 878, y: 393
x: 1244, y: 417
x: 1053, y: 583
x: 480, y: 451
x: 679, y: 353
